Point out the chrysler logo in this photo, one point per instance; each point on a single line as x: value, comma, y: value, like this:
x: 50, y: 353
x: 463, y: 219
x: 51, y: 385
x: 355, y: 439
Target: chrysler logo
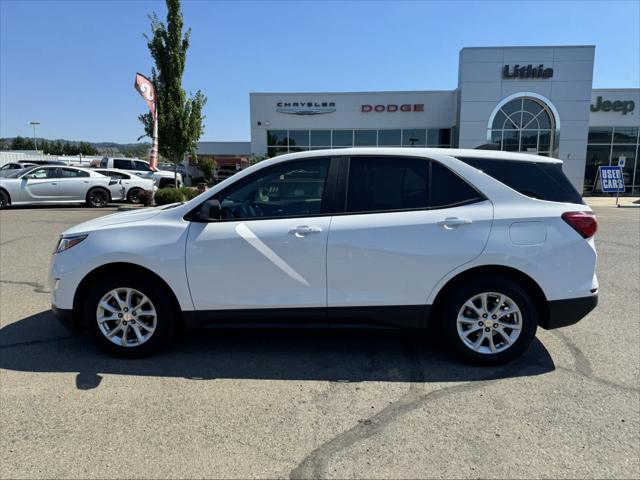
x: 306, y: 108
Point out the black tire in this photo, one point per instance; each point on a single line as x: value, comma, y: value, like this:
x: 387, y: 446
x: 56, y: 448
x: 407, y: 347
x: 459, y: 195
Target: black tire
x: 456, y: 299
x: 134, y: 195
x: 165, y: 183
x: 161, y: 301
x: 4, y: 199
x: 98, y: 197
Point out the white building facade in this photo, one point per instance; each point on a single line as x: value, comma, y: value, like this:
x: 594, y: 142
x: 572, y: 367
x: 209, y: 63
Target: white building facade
x: 529, y: 99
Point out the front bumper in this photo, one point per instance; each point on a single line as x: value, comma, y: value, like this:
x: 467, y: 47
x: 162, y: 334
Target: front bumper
x: 563, y: 313
x: 66, y: 318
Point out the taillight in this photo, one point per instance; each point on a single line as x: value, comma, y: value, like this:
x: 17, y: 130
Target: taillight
x: 585, y: 223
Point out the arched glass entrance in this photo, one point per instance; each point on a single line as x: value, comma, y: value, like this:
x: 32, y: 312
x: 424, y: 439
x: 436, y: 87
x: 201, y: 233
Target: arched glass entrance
x: 523, y: 124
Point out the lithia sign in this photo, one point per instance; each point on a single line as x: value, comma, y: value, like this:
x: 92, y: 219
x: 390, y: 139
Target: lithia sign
x: 526, y: 71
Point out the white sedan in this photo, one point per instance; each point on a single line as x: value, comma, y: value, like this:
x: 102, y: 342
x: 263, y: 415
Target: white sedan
x: 133, y: 184
x: 56, y: 184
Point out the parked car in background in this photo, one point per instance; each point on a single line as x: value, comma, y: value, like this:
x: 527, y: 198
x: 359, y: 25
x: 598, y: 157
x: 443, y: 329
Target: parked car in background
x: 483, y: 246
x: 7, y: 168
x: 141, y: 168
x: 133, y: 184
x: 42, y: 162
x: 54, y: 184
x: 168, y: 167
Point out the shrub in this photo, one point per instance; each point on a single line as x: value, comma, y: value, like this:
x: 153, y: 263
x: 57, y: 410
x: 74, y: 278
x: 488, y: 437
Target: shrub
x: 146, y: 198
x: 165, y: 196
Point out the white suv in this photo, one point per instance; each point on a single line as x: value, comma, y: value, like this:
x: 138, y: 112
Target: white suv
x: 485, y: 245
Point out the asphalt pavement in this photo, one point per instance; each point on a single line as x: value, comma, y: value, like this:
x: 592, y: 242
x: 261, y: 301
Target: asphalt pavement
x: 306, y: 404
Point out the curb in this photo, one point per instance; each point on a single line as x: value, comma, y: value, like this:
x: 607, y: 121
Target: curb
x: 126, y: 208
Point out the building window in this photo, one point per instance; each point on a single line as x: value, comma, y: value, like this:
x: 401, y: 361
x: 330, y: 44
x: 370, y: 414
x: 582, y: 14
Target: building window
x: 287, y: 141
x: 606, y: 146
x: 523, y: 125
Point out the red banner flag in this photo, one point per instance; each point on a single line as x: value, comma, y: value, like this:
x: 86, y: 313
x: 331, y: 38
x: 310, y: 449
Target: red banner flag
x: 144, y: 86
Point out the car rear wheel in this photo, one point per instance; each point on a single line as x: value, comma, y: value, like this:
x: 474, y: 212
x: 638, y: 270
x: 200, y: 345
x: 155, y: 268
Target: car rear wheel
x: 4, y: 199
x: 490, y: 320
x: 130, y: 316
x: 134, y: 195
x: 98, y: 197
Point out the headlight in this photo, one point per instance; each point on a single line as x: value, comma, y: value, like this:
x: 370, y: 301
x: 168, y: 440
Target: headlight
x: 65, y: 243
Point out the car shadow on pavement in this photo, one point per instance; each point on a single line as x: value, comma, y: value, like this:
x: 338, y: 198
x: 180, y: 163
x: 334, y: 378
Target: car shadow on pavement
x: 40, y: 344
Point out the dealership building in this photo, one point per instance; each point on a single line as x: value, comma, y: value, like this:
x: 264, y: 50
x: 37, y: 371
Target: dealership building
x: 524, y: 99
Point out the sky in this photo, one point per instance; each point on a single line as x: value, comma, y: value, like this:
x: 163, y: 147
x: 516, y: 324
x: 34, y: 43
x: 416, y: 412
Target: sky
x: 71, y: 64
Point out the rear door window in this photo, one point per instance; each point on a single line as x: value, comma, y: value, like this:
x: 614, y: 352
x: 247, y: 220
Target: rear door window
x: 387, y: 183
x: 122, y: 164
x: 381, y: 184
x: 544, y: 181
x: 71, y: 173
x: 449, y: 190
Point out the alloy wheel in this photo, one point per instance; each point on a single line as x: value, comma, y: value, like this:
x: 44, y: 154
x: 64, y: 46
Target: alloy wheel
x: 489, y: 323
x: 126, y: 317
x: 134, y: 196
x: 98, y: 198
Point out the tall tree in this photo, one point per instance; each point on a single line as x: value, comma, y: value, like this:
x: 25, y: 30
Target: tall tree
x: 180, y: 118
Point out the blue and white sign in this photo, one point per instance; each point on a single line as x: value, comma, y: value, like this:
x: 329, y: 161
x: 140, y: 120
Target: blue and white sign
x: 611, y: 179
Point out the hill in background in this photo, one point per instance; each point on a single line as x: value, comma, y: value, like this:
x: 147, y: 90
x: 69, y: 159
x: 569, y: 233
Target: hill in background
x: 75, y: 147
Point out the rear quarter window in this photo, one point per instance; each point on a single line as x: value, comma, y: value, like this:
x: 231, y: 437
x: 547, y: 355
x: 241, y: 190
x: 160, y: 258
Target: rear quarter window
x: 543, y: 181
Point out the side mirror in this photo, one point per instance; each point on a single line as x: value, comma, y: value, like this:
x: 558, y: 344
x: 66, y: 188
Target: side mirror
x: 213, y: 209
x: 209, y: 211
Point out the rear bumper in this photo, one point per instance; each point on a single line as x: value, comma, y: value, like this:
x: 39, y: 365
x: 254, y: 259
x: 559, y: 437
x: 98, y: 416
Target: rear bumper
x: 567, y: 312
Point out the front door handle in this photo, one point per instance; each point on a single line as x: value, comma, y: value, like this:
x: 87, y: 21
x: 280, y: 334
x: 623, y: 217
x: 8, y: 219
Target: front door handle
x: 302, y: 230
x: 453, y: 222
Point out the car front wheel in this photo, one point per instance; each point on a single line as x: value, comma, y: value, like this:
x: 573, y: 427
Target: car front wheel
x: 130, y: 316
x: 490, y: 320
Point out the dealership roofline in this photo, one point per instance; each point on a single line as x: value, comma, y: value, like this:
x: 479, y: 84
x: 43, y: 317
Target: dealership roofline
x: 529, y: 46
x: 353, y: 93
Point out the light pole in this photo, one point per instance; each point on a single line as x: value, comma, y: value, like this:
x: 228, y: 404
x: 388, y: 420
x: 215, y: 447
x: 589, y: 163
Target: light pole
x: 35, y: 140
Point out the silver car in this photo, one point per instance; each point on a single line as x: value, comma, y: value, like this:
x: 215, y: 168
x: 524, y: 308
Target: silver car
x: 133, y: 184
x: 57, y: 184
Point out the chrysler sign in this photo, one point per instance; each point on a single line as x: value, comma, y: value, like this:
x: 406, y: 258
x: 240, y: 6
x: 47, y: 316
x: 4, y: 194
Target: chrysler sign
x: 306, y: 108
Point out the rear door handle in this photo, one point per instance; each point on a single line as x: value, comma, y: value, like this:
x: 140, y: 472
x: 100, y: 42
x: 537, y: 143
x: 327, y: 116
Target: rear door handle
x: 453, y: 222
x: 302, y: 230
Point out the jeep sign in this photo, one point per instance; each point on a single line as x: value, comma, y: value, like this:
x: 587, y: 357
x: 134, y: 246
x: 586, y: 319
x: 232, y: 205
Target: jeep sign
x: 624, y: 106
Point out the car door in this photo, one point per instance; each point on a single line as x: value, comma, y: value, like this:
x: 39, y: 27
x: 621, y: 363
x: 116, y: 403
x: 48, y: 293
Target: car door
x: 40, y: 185
x: 407, y: 223
x: 269, y: 249
x: 73, y: 184
x: 119, y: 184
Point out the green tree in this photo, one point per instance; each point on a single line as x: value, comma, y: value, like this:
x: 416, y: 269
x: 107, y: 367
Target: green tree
x: 208, y: 166
x: 86, y: 148
x: 180, y: 119
x: 21, y: 143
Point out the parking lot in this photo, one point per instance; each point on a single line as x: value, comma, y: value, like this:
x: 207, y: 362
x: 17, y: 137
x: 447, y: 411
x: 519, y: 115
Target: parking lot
x: 304, y: 404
